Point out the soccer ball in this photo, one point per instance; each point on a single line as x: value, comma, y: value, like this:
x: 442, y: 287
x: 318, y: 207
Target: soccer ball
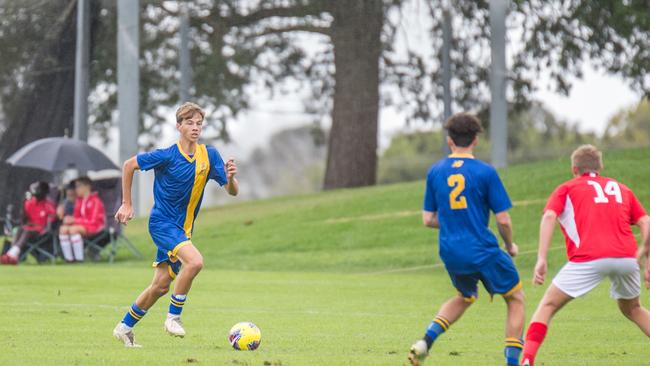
x: 245, y: 336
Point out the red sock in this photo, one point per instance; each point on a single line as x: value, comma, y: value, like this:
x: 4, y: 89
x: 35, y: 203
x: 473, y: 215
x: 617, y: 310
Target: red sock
x: 534, y: 338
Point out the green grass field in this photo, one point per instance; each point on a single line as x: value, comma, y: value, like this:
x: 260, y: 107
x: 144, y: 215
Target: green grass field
x: 349, y: 277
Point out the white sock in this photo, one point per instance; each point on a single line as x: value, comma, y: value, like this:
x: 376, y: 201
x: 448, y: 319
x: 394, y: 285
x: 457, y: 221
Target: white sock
x: 66, y: 247
x: 14, y: 251
x: 77, y: 246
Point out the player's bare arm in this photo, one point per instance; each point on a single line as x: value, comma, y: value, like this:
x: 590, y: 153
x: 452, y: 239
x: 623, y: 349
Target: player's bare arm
x: 504, y: 225
x: 231, y: 170
x: 125, y: 212
x: 546, y: 228
x: 430, y: 219
x: 644, y: 227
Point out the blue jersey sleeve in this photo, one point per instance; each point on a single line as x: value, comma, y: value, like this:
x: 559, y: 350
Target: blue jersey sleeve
x: 153, y: 159
x: 497, y: 196
x: 217, y: 167
x: 430, y: 203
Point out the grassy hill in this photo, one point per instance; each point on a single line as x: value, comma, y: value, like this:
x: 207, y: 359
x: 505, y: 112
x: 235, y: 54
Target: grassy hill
x: 376, y: 228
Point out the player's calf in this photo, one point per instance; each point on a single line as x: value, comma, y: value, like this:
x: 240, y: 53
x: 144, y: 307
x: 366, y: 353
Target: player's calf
x: 633, y: 310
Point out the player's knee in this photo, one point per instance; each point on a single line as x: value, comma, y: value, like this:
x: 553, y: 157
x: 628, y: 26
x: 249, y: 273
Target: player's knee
x: 628, y: 307
x: 160, y: 289
x: 195, y: 265
x: 517, y: 298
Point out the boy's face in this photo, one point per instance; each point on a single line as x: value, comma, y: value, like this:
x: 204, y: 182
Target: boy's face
x: 81, y: 189
x: 190, y: 128
x: 70, y: 194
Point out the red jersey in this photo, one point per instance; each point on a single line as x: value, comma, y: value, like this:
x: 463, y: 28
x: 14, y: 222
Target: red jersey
x: 38, y: 214
x: 596, y: 214
x: 89, y: 212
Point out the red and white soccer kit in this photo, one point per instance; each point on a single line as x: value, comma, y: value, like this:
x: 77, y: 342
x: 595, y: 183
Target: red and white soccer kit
x: 596, y: 214
x: 89, y: 212
x: 38, y: 214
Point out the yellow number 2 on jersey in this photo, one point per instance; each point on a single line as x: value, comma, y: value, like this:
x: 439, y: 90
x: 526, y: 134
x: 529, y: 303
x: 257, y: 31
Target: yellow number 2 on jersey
x: 456, y: 201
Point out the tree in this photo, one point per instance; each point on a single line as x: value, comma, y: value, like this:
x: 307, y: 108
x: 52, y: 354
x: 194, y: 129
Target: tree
x: 36, y: 82
x: 238, y: 44
x: 544, y: 36
x: 630, y: 126
x: 346, y: 54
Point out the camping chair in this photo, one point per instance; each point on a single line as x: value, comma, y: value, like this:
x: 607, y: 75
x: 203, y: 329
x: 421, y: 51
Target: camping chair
x: 112, y: 237
x: 43, y: 247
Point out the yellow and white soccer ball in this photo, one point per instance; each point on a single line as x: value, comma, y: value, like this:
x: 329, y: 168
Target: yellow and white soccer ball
x: 245, y: 336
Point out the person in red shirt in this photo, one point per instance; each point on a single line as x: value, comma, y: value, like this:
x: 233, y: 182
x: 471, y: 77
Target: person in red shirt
x: 89, y: 218
x: 595, y: 214
x: 38, y: 212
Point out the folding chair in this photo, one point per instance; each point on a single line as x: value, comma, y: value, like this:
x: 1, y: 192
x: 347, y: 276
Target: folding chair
x: 110, y: 192
x: 96, y: 244
x: 43, y: 248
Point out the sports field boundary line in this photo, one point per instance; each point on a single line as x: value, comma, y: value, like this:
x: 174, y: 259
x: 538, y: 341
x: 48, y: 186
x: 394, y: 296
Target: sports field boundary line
x: 435, y: 265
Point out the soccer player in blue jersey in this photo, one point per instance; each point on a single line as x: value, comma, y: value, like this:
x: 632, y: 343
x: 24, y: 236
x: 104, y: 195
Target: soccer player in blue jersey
x: 460, y: 193
x: 182, y: 171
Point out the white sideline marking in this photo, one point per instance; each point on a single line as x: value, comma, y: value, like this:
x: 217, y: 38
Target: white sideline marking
x: 436, y: 265
x: 389, y: 215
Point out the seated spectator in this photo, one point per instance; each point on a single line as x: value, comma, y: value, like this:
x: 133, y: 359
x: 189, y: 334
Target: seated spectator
x: 87, y: 220
x: 66, y: 208
x: 38, y: 212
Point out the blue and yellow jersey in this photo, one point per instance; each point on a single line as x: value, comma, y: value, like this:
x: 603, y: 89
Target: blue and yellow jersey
x: 463, y: 190
x: 179, y: 183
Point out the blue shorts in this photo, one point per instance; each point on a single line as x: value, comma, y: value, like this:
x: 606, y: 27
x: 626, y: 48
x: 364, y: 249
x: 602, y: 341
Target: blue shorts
x: 169, y: 238
x: 498, y: 277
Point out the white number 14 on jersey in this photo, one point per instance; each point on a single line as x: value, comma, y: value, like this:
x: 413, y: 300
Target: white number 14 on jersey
x: 611, y: 189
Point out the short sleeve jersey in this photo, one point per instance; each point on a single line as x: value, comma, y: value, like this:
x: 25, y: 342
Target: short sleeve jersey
x: 180, y: 180
x: 463, y: 191
x: 596, y: 214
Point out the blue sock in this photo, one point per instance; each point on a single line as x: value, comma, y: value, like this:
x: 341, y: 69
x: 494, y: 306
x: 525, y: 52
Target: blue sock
x: 438, y: 326
x: 513, y: 350
x: 176, y: 304
x: 133, y: 315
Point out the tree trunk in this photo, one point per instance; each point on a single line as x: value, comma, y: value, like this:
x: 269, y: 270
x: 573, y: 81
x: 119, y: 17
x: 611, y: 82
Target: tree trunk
x: 42, y: 107
x: 352, y: 150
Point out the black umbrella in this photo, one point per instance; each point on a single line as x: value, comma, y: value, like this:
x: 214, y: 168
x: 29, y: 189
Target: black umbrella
x: 56, y: 154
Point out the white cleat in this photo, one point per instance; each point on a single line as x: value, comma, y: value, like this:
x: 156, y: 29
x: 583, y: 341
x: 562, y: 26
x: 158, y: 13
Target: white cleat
x: 526, y: 362
x: 125, y: 335
x: 418, y: 353
x: 174, y: 326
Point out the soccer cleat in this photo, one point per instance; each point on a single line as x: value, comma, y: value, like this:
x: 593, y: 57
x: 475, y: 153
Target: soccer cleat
x: 418, y: 353
x: 125, y: 334
x: 174, y: 326
x: 526, y: 362
x: 7, y: 259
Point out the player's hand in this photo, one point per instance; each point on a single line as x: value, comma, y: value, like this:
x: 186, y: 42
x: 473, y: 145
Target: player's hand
x: 540, y: 272
x: 124, y: 214
x: 231, y: 168
x: 513, y: 249
x: 68, y: 220
x: 60, y: 211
